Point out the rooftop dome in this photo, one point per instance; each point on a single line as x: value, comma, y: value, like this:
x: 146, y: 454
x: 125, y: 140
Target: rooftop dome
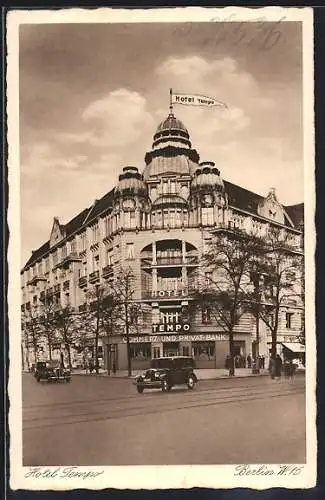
x: 171, y: 123
x: 131, y: 181
x: 207, y: 175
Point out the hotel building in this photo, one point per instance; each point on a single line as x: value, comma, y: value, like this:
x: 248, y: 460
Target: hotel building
x: 157, y: 220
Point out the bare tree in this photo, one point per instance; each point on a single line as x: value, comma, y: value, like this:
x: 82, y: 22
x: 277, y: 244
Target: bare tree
x: 66, y: 322
x: 280, y: 273
x: 101, y: 307
x: 127, y: 309
x: 228, y: 261
x: 31, y: 329
x: 47, y: 321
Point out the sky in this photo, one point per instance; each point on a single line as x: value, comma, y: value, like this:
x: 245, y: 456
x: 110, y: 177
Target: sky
x: 92, y: 96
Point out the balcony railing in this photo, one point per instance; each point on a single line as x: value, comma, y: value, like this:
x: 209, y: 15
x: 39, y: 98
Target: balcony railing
x: 93, y: 277
x: 83, y: 281
x: 72, y: 257
x: 171, y: 261
x: 107, y: 271
x: 36, y: 279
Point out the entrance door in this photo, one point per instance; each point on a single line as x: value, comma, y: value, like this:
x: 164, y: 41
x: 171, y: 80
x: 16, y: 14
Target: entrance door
x: 112, y: 358
x: 171, y: 349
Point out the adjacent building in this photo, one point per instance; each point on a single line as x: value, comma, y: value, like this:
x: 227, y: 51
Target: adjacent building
x: 158, y: 220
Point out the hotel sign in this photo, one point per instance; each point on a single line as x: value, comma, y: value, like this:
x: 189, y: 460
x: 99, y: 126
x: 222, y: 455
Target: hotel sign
x: 169, y: 293
x: 170, y: 328
x: 178, y: 338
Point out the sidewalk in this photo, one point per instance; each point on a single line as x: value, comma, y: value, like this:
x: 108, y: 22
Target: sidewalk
x: 202, y: 374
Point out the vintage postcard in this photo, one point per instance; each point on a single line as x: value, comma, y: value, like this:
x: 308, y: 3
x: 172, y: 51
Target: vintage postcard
x: 161, y: 287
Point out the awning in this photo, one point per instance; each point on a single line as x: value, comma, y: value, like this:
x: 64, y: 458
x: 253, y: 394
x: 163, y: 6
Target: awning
x: 294, y: 346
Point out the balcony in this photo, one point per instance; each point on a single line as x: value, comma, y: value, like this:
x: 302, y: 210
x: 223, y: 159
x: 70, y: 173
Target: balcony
x: 66, y: 285
x: 82, y: 281
x: 93, y: 277
x: 36, y: 279
x: 72, y: 257
x: 83, y: 308
x: 108, y: 271
x: 170, y: 261
x: 57, y: 288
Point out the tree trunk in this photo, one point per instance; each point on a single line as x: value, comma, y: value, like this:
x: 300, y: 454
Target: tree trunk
x: 50, y: 347
x: 67, y: 345
x: 96, y: 343
x: 231, y: 352
x: 128, y: 340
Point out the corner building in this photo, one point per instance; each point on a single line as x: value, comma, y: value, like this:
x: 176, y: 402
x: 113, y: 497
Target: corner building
x: 158, y: 223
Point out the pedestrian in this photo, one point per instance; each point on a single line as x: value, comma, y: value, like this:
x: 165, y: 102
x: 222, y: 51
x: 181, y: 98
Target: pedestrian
x: 272, y: 367
x: 278, y: 366
x: 114, y: 368
x: 227, y: 362
x: 249, y: 361
x: 91, y: 366
x: 263, y: 362
x: 286, y: 368
x: 291, y: 369
x: 86, y: 366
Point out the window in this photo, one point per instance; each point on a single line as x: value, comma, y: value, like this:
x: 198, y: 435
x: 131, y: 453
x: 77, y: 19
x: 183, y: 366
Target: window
x: 141, y: 351
x: 130, y: 250
x: 206, y: 315
x: 185, y: 351
x: 172, y: 187
x: 95, y: 232
x: 165, y: 187
x: 73, y: 246
x: 84, y: 268
x: 109, y: 257
x: 289, y: 320
x: 39, y: 269
x: 156, y: 352
x: 208, y: 279
x: 207, y: 216
x: 130, y: 219
x: 55, y: 258
x: 64, y: 252
x: 47, y: 264
x: 96, y: 262
x: 203, y: 350
x: 107, y: 225
x: 83, y: 241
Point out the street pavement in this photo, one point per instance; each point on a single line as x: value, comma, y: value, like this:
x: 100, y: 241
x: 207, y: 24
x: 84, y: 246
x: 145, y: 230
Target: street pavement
x: 103, y: 421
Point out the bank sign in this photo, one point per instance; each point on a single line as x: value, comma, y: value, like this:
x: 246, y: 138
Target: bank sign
x: 178, y: 338
x: 170, y: 328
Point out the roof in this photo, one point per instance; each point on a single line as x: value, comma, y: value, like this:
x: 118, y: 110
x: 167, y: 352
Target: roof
x: 75, y: 224
x: 296, y: 213
x: 242, y: 198
x: 238, y: 197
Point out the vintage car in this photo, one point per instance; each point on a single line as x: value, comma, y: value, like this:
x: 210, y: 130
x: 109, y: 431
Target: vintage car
x: 51, y: 371
x: 165, y: 373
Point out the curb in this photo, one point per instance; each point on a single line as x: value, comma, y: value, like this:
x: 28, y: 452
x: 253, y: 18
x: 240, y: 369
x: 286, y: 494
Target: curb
x: 222, y: 377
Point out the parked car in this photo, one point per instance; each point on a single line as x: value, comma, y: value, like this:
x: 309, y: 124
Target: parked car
x: 51, y: 371
x: 165, y: 373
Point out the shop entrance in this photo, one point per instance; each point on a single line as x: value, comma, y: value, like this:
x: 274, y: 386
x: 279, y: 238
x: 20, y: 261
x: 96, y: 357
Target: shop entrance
x: 171, y: 349
x: 112, y: 358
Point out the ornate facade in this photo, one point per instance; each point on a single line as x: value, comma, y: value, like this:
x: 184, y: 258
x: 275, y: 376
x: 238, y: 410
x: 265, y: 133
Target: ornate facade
x: 158, y: 221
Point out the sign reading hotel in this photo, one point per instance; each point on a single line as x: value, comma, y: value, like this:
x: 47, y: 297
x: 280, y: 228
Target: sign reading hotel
x: 169, y: 293
x: 170, y: 328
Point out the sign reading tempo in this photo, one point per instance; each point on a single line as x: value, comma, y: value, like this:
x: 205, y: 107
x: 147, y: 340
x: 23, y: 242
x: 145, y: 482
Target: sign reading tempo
x: 170, y: 328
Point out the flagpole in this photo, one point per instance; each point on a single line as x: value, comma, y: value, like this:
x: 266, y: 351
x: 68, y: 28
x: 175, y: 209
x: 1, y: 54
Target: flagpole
x: 171, y: 101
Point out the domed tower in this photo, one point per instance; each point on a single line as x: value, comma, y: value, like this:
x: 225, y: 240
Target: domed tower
x: 131, y: 199
x: 208, y: 197
x: 169, y: 167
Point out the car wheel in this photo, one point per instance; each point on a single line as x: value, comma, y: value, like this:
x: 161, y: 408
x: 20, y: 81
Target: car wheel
x: 68, y: 380
x: 165, y: 386
x: 190, y: 382
x: 140, y: 388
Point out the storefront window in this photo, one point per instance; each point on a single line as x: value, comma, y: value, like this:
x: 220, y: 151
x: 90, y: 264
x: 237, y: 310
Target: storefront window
x: 203, y: 350
x: 171, y: 349
x: 141, y: 351
x: 156, y: 352
x: 185, y: 351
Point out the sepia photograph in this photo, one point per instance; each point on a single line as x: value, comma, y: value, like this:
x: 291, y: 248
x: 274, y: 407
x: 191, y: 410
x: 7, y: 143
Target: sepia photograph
x: 161, y: 295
